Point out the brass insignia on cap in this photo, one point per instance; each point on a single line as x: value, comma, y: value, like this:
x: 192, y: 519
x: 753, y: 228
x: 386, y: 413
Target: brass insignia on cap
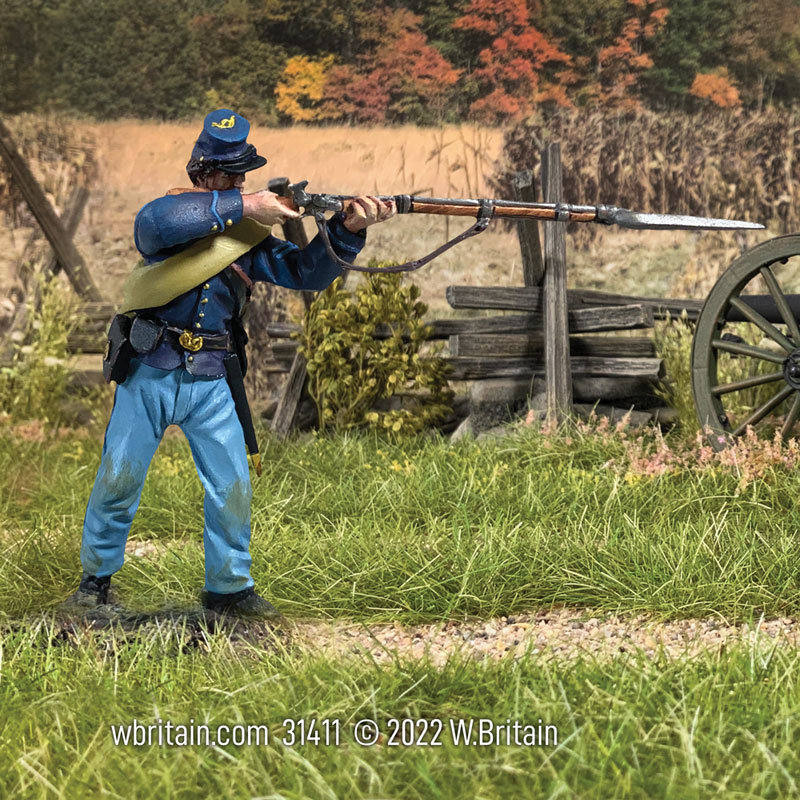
x: 225, y: 123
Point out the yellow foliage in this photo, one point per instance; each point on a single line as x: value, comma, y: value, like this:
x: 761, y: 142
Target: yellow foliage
x: 299, y: 92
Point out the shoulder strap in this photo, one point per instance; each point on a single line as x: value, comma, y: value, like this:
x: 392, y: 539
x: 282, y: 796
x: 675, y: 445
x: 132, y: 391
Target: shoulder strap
x: 240, y: 285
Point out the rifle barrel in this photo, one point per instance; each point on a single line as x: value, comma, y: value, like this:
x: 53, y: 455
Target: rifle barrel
x: 506, y: 209
x: 558, y: 212
x: 463, y: 207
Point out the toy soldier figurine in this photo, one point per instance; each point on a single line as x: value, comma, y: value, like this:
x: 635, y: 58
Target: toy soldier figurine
x: 180, y: 334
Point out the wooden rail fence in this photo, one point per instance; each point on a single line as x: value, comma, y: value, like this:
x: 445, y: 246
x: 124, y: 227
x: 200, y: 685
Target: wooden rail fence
x: 553, y: 334
x: 556, y: 338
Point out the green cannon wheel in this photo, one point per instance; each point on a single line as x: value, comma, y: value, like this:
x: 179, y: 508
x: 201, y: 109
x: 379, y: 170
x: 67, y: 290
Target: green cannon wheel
x: 746, y: 346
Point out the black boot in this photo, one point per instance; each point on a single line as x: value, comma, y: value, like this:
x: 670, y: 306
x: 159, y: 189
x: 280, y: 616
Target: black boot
x: 92, y: 592
x: 241, y: 604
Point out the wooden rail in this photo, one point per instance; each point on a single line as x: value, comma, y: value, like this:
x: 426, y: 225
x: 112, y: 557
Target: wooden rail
x: 68, y: 256
x: 531, y: 298
x: 585, y: 320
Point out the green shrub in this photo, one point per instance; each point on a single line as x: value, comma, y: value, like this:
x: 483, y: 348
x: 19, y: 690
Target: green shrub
x: 34, y: 383
x: 349, y: 370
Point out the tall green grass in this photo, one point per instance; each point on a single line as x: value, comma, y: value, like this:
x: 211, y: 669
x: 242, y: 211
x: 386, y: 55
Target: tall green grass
x: 723, y: 725
x: 352, y: 526
x: 355, y: 527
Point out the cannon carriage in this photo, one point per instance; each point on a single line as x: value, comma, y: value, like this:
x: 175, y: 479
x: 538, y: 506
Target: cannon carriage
x: 746, y: 346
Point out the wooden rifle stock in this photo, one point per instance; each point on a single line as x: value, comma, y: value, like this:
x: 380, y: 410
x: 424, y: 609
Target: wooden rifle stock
x: 502, y: 208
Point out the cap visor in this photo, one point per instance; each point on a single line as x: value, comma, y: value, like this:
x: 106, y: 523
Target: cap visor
x: 244, y: 166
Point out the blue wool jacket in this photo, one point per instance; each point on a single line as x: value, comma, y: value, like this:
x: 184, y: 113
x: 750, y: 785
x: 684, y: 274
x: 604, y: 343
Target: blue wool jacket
x: 171, y: 223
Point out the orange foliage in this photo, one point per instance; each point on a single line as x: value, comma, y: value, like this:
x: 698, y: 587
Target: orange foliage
x: 716, y: 89
x: 351, y: 95
x: 511, y: 66
x: 402, y: 77
x: 620, y: 65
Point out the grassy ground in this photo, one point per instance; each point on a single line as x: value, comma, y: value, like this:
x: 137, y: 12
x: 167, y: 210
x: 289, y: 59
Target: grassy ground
x: 628, y: 728
x: 360, y: 528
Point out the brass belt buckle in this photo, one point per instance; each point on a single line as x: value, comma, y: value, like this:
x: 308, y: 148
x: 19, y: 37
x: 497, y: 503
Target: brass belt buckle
x: 188, y: 341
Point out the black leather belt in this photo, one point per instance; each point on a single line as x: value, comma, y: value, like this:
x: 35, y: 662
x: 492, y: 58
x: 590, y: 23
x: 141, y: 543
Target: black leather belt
x: 198, y: 341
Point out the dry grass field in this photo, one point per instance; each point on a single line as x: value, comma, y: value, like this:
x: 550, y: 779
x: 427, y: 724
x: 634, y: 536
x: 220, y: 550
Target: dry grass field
x: 138, y: 161
x: 141, y: 160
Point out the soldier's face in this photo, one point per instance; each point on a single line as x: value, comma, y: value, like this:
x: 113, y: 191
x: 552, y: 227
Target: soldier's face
x: 222, y: 181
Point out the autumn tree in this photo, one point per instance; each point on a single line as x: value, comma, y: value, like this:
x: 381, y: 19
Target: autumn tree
x: 764, y: 50
x: 620, y: 65
x: 512, y: 56
x: 437, y: 18
x: 402, y: 78
x: 300, y: 91
x: 582, y: 28
x: 695, y: 40
x: 716, y: 89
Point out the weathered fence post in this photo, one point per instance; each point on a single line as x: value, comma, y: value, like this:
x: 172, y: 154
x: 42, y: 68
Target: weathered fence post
x: 558, y: 373
x: 66, y: 252
x: 70, y: 220
x: 286, y: 412
x: 528, y: 231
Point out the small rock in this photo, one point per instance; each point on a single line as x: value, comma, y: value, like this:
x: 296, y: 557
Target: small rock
x: 463, y: 430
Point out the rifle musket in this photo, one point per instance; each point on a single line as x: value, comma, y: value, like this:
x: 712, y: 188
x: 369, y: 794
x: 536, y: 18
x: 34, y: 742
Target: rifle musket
x: 485, y: 209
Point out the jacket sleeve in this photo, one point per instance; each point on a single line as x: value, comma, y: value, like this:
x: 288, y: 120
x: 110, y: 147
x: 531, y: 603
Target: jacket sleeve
x: 173, y: 220
x: 310, y: 269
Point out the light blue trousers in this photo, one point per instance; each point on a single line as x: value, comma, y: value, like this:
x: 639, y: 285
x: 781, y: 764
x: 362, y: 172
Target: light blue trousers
x: 147, y: 402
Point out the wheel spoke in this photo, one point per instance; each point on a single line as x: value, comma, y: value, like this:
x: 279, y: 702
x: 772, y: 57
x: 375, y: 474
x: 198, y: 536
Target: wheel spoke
x: 781, y: 302
x: 794, y: 413
x: 765, y: 325
x: 748, y: 350
x: 747, y: 383
x: 762, y: 411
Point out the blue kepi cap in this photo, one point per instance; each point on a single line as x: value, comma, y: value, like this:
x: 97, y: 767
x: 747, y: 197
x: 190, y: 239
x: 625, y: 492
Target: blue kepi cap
x: 223, y: 143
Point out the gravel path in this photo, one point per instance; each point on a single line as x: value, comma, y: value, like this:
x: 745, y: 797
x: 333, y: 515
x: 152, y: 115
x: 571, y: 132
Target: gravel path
x: 562, y: 633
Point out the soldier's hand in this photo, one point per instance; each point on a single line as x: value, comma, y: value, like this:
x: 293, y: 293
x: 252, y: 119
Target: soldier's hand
x: 268, y: 208
x: 364, y: 211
